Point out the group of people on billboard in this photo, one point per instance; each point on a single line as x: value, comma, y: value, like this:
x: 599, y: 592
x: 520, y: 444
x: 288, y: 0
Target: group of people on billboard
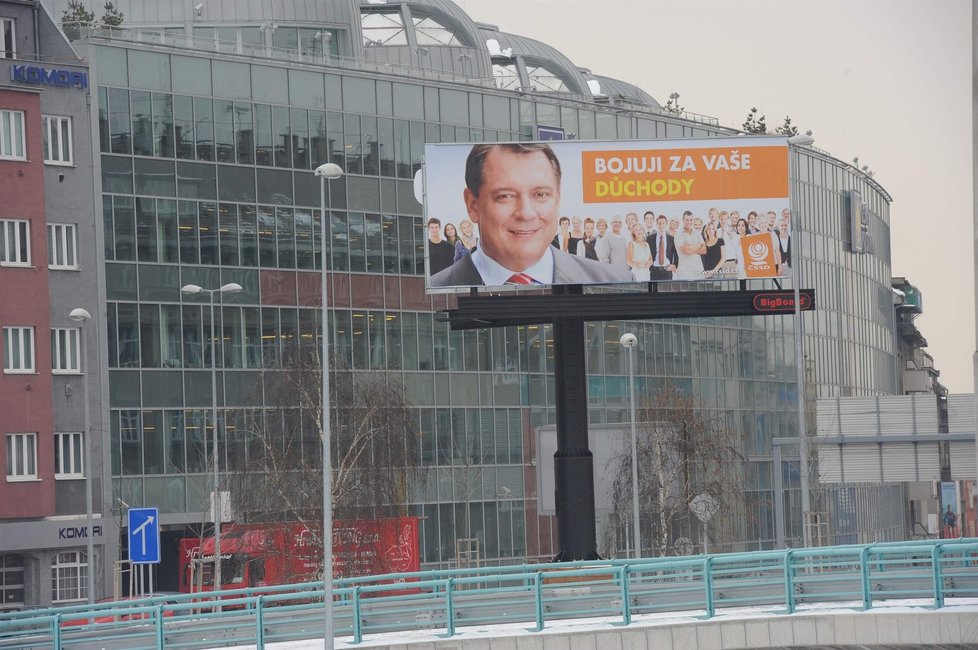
x: 514, y: 234
x: 660, y: 248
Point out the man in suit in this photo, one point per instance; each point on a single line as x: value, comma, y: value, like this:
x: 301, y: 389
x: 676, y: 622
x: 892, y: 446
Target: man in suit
x: 513, y: 192
x: 665, y: 258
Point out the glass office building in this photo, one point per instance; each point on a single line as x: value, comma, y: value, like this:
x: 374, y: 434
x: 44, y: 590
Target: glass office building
x: 210, y: 119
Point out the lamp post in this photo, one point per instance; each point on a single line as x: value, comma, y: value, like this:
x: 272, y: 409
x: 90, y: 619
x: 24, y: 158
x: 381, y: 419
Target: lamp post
x: 192, y: 290
x: 629, y: 341
x: 81, y: 316
x: 798, y: 141
x: 325, y: 172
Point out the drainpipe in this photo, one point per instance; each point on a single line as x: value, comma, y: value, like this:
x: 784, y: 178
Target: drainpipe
x: 37, y: 30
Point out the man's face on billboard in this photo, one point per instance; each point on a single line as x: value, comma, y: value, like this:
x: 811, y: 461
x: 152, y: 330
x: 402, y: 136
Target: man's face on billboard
x: 649, y: 222
x: 661, y: 224
x: 688, y: 222
x: 516, y: 208
x: 434, y: 232
x: 616, y: 226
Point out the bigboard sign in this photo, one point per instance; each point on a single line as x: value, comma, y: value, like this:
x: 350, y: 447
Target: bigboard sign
x: 573, y: 212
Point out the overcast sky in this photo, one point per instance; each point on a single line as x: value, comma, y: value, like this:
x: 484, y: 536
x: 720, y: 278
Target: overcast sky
x: 887, y: 81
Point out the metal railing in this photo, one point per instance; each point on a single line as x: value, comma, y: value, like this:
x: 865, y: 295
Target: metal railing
x: 443, y: 601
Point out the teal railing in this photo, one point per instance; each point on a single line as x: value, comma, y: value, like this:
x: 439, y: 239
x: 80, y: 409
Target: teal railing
x: 784, y: 581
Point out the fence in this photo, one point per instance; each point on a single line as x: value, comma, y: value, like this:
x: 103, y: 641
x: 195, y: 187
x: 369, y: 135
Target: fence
x: 443, y: 601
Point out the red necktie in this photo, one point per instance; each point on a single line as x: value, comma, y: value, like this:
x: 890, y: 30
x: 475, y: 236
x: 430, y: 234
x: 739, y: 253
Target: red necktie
x: 520, y: 278
x: 662, y: 250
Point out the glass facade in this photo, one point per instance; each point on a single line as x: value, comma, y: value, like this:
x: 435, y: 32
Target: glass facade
x: 206, y: 176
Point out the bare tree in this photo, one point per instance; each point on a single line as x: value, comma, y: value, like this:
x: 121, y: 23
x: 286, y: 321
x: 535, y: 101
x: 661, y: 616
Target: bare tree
x: 683, y: 452
x: 276, y: 474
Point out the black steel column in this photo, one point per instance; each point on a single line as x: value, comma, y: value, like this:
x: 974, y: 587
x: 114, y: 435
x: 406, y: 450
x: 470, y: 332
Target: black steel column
x: 573, y: 462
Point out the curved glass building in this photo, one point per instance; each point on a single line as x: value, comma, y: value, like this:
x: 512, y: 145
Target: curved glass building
x: 208, y: 120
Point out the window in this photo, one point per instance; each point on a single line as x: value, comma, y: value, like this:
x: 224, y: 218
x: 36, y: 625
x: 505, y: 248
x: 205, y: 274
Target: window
x: 64, y: 351
x: 8, y: 50
x: 15, y: 242
x: 57, y: 140
x: 69, y: 459
x: 544, y: 80
x: 11, y: 580
x: 18, y: 350
x: 429, y: 31
x: 69, y: 576
x: 21, y: 456
x: 61, y: 246
x: 507, y: 75
x: 382, y: 28
x: 12, y: 135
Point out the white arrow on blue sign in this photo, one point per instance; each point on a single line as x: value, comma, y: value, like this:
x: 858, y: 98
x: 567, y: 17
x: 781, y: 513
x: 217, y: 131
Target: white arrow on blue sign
x: 144, y: 535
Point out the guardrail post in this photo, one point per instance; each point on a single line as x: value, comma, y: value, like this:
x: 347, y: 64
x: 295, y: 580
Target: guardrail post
x: 789, y: 581
x: 449, y: 608
x: 357, y: 623
x: 56, y: 632
x: 260, y: 622
x: 708, y: 586
x: 935, y: 559
x: 864, y: 577
x: 538, y: 596
x: 626, y: 605
x: 159, y: 626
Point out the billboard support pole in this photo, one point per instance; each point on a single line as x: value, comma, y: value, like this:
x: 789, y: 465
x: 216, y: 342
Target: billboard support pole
x: 803, y: 450
x: 573, y: 462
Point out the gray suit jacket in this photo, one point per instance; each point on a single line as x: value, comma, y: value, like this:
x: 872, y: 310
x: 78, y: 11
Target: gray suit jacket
x: 568, y: 269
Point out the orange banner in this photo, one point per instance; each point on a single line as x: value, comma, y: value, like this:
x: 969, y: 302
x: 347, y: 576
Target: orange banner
x: 627, y: 176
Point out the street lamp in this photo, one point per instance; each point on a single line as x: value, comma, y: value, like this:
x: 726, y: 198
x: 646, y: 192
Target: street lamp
x: 192, y: 290
x: 629, y: 341
x: 799, y: 141
x: 81, y: 316
x: 325, y: 172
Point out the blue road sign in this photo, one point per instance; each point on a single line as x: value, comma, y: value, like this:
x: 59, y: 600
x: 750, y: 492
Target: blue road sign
x: 144, y: 535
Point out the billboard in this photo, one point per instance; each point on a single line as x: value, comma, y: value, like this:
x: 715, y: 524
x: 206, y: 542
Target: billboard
x: 575, y: 212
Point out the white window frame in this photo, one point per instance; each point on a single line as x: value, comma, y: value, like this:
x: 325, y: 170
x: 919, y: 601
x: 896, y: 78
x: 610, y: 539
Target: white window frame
x: 13, y: 141
x: 24, y: 347
x: 69, y: 455
x: 58, y: 150
x: 62, y: 246
x: 8, y: 50
x: 69, y: 576
x: 21, y: 450
x: 15, y: 242
x: 65, y: 351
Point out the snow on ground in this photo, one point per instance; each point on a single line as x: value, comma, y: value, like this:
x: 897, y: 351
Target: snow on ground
x: 955, y: 605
